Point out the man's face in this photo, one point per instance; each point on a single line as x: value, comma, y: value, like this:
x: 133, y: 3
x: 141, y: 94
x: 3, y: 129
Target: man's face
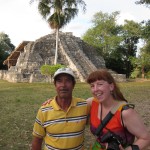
x: 64, y: 85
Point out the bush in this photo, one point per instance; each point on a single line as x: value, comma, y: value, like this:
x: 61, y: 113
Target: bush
x: 147, y: 75
x: 49, y: 70
x: 135, y: 73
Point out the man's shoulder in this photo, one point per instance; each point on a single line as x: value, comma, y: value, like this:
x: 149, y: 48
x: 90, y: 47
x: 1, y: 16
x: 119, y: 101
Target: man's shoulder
x: 79, y: 99
x: 47, y: 103
x: 79, y: 102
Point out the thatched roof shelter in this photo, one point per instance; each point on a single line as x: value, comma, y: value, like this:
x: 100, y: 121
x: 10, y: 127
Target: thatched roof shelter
x: 12, y: 58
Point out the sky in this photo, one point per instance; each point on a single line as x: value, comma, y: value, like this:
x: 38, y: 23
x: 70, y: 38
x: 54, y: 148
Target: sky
x: 21, y: 21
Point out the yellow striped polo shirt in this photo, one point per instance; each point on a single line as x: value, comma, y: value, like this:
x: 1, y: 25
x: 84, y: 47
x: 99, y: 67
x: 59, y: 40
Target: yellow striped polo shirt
x: 60, y: 129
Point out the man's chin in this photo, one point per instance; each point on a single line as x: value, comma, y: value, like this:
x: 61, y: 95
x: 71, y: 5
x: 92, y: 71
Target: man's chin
x: 64, y: 95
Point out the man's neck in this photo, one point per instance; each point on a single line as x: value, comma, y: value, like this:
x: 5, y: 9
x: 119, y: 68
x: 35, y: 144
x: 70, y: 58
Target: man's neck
x: 64, y: 103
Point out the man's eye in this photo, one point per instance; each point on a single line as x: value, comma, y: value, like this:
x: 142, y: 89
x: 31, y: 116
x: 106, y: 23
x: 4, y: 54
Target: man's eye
x: 58, y: 80
x: 69, y: 80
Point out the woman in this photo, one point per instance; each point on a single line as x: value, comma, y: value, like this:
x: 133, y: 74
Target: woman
x: 126, y: 125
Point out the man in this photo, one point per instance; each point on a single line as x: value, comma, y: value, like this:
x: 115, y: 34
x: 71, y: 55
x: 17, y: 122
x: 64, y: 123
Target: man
x: 61, y: 122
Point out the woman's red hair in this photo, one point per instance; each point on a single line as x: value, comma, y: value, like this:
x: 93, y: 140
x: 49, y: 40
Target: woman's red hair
x: 103, y: 74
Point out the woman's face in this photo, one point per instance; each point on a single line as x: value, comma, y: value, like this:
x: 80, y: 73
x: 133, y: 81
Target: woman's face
x: 101, y: 89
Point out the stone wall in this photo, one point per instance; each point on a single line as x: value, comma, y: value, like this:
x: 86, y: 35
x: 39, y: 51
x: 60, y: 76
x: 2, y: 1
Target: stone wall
x: 72, y: 52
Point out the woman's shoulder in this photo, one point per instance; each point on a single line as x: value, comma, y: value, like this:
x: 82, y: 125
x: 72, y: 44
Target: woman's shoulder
x: 129, y: 114
x: 89, y: 100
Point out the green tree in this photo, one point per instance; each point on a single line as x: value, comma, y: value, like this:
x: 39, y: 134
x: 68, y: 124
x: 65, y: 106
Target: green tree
x: 142, y: 62
x: 116, y: 43
x: 6, y: 47
x: 105, y: 36
x: 49, y: 70
x: 145, y: 2
x: 59, y: 13
x: 146, y: 36
x: 103, y: 33
x: 131, y: 33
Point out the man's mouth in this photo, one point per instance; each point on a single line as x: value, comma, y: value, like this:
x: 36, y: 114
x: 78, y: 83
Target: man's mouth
x: 64, y: 90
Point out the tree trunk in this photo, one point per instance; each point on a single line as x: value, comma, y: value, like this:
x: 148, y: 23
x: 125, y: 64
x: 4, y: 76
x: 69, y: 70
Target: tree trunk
x: 56, y: 51
x: 143, y: 72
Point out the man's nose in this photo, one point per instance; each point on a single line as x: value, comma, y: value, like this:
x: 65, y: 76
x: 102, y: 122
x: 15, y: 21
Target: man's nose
x: 63, y: 83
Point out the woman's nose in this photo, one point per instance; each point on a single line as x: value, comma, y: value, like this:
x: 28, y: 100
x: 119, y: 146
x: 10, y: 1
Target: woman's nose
x: 95, y: 88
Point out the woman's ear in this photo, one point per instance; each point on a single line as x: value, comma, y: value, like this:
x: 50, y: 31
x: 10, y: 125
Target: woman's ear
x: 111, y: 87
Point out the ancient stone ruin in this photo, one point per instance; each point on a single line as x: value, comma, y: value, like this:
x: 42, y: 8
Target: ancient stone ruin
x: 25, y: 61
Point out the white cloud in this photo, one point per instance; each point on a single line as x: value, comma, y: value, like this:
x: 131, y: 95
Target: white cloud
x: 21, y: 21
x: 125, y: 16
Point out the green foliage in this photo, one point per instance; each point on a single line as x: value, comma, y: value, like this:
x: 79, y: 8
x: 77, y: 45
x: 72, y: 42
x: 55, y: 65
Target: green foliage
x: 146, y: 29
x: 6, y: 47
x: 147, y: 75
x: 5, y: 43
x: 49, y: 70
x: 135, y: 73
x: 46, y: 70
x: 116, y: 43
x: 146, y: 37
x: 141, y: 63
x: 3, y: 56
x: 103, y: 33
x: 145, y: 2
x: 59, y: 13
x: 131, y: 33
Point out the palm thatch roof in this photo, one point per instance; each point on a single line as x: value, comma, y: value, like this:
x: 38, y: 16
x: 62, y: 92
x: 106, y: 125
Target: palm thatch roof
x: 12, y: 58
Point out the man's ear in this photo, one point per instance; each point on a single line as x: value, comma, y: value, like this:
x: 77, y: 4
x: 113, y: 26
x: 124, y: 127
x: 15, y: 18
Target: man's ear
x: 54, y: 82
x: 74, y: 86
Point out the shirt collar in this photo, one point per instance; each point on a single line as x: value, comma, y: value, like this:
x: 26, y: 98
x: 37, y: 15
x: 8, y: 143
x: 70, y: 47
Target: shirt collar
x: 57, y: 107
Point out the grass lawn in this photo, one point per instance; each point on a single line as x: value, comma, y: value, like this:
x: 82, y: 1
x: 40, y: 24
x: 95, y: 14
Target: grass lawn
x: 20, y: 101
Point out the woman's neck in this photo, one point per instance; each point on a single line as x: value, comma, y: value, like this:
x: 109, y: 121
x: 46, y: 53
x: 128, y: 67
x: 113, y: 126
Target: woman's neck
x: 105, y: 108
